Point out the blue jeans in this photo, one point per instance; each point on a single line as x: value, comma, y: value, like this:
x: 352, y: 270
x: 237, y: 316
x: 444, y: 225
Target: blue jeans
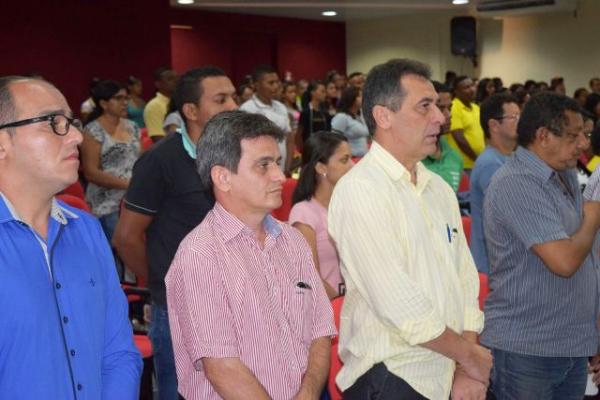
x: 109, y: 223
x: 523, y: 377
x: 164, y: 360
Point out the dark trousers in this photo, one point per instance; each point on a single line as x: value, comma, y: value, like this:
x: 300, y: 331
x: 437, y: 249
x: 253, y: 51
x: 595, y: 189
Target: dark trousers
x: 380, y: 384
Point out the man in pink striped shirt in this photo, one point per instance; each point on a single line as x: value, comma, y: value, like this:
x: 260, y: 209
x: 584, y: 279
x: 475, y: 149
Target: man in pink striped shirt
x: 249, y: 316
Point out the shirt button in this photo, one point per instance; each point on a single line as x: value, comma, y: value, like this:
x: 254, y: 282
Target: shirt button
x: 79, y: 386
x: 73, y: 352
x: 65, y: 319
x: 58, y: 285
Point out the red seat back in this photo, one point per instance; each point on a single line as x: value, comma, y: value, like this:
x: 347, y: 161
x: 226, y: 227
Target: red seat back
x: 335, y: 362
x: 466, y: 223
x: 283, y: 212
x: 74, y: 201
x: 76, y: 190
x: 484, y: 289
x: 465, y: 183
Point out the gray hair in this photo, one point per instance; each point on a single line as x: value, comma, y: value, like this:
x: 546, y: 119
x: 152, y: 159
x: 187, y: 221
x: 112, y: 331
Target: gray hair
x: 221, y: 140
x: 383, y: 86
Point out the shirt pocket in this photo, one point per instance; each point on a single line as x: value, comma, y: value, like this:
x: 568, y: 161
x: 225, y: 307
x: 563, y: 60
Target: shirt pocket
x: 302, y: 312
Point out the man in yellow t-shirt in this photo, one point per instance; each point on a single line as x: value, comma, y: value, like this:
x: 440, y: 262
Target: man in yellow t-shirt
x: 466, y: 135
x: 156, y: 109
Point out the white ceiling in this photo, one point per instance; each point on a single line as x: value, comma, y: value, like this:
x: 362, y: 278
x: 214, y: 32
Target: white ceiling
x: 351, y: 9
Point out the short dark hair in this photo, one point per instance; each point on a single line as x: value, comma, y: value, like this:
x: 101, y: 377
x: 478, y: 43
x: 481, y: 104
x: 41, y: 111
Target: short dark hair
x: 347, y: 99
x: 383, y: 86
x: 319, y: 147
x: 545, y: 109
x: 579, y: 91
x: 591, y: 103
x: 355, y: 73
x: 221, y: 140
x: 189, y: 89
x: 593, y: 80
x: 158, y: 72
x: 440, y: 87
x: 457, y: 82
x: 262, y: 70
x: 492, y: 108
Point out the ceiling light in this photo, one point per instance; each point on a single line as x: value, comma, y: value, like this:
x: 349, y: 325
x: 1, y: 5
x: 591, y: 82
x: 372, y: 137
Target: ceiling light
x: 329, y: 13
x: 185, y: 1
x: 459, y: 2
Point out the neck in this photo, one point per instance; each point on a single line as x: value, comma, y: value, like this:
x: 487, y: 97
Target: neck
x: 466, y: 102
x: 354, y: 110
x: 314, y: 104
x: 263, y: 99
x: 323, y: 194
x: 109, y: 121
x: 504, y: 146
x: 33, y: 208
x: 409, y: 162
x: 164, y: 94
x: 194, y: 132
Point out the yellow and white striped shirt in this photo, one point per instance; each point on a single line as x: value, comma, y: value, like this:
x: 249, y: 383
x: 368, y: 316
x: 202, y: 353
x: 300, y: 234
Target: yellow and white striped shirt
x: 408, y: 272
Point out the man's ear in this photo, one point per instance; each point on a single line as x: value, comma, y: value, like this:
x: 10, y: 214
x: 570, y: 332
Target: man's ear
x: 5, y: 144
x: 382, y: 116
x: 221, y: 178
x: 492, y: 124
x: 190, y: 111
x: 541, y: 135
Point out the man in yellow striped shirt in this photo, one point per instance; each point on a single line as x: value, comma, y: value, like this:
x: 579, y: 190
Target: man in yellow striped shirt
x: 410, y: 319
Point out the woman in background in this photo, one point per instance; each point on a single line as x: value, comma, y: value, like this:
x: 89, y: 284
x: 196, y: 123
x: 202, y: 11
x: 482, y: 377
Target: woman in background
x: 111, y: 145
x: 349, y: 122
x: 135, y: 106
x: 326, y: 158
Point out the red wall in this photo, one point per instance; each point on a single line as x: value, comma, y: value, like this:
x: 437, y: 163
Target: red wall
x: 237, y: 43
x: 70, y: 41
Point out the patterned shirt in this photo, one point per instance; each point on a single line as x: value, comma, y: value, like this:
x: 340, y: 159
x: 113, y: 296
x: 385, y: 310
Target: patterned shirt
x: 408, y: 272
x: 530, y: 310
x: 116, y: 158
x: 230, y: 297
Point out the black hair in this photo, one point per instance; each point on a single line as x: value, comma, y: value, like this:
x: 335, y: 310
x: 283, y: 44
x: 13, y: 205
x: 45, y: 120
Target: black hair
x: 189, y: 89
x: 262, y: 70
x: 307, y: 95
x: 440, y: 87
x: 348, y: 99
x: 595, y: 140
x: 492, y: 108
x: 319, y: 147
x: 104, y: 90
x: 545, y: 109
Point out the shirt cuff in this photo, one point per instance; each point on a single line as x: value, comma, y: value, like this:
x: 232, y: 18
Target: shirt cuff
x: 422, y: 330
x: 473, y: 320
x: 200, y: 352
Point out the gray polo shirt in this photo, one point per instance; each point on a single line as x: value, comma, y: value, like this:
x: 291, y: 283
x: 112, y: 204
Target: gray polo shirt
x: 530, y: 310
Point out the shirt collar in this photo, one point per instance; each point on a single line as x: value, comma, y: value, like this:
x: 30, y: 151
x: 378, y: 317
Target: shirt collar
x: 230, y: 226
x: 57, y: 212
x: 395, y: 170
x: 188, y: 145
x: 162, y: 97
x: 533, y: 163
x: 260, y: 104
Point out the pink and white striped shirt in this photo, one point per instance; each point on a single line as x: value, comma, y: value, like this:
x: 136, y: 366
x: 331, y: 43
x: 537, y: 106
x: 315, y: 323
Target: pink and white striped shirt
x: 228, y: 297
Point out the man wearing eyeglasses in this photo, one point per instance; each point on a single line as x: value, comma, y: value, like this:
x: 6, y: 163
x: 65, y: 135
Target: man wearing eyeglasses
x: 64, y: 330
x: 499, y: 117
x: 540, y: 316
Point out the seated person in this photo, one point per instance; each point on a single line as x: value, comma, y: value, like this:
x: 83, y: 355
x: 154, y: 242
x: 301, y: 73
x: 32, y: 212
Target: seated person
x: 326, y: 159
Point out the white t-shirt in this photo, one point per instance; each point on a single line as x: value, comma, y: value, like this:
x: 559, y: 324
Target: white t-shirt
x: 276, y: 113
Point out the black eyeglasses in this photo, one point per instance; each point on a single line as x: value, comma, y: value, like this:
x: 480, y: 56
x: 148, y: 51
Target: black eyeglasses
x: 60, y: 123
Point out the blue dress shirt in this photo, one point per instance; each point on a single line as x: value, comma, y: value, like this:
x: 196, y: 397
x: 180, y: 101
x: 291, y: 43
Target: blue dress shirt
x: 64, y: 328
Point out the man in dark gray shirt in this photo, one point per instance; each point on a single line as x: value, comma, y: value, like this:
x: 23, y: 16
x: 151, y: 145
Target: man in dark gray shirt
x: 540, y: 317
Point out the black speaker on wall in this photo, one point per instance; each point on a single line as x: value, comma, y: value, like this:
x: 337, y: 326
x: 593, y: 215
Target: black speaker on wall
x: 463, y: 36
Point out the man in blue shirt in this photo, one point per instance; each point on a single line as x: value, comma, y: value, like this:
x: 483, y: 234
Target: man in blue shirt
x: 64, y: 330
x: 540, y: 316
x: 499, y: 117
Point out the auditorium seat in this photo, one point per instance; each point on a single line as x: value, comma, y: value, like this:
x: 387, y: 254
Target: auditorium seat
x: 283, y: 212
x: 466, y: 223
x: 74, y: 201
x: 336, y: 363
